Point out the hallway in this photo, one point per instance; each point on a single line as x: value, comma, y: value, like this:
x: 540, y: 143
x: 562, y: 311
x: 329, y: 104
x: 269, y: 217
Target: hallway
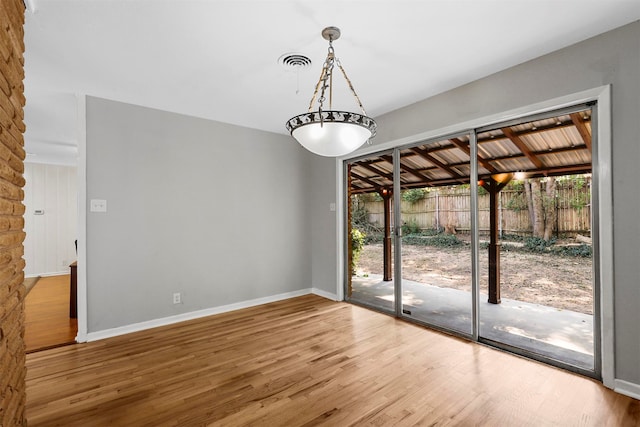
x: 47, y: 321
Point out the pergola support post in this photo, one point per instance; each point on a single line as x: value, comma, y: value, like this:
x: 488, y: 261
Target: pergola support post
x: 493, y: 188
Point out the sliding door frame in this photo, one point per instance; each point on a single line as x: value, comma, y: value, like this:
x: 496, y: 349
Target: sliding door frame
x: 602, y: 200
x: 397, y: 234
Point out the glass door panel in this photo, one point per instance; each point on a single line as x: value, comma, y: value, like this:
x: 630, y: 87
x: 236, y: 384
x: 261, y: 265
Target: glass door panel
x: 369, y: 231
x: 436, y: 234
x: 536, y: 261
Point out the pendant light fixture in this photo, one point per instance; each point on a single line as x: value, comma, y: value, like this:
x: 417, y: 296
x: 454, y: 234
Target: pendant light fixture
x: 330, y: 132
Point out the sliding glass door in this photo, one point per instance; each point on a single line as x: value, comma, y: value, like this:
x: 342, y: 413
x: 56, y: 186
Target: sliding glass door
x: 486, y: 234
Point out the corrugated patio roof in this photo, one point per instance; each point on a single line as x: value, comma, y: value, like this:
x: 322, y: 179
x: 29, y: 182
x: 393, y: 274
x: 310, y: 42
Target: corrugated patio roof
x: 559, y: 145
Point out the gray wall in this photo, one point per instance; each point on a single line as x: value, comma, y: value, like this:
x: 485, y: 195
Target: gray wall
x: 184, y: 196
x: 612, y: 58
x: 323, y: 227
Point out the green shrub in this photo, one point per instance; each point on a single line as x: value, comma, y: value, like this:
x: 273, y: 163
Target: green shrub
x: 357, y: 244
x: 411, y: 227
x: 580, y: 200
x: 432, y: 231
x: 413, y: 195
x: 445, y: 240
x: 517, y: 202
x: 516, y: 185
x: 537, y: 244
x: 581, y: 250
x: 439, y: 240
x: 512, y: 237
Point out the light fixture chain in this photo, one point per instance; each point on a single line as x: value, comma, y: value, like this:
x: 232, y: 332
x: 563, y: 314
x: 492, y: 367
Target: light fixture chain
x: 327, y: 76
x: 315, y: 92
x: 324, y: 80
x: 344, y: 73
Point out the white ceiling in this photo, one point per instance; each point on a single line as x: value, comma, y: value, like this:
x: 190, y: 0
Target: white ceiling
x: 219, y: 59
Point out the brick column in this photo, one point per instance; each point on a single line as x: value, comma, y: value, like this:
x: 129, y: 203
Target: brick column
x: 12, y: 154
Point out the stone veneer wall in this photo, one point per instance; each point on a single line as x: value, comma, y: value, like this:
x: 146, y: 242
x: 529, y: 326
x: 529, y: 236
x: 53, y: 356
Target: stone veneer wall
x: 12, y: 154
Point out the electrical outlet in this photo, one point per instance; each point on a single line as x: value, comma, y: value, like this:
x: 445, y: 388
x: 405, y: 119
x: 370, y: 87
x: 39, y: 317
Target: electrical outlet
x: 176, y: 298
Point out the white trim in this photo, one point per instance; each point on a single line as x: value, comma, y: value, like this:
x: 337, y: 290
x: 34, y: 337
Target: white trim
x: 31, y: 6
x: 141, y: 326
x: 58, y: 273
x: 339, y: 230
x: 325, y: 294
x: 82, y: 219
x: 600, y: 94
x: 605, y: 236
x: 627, y: 388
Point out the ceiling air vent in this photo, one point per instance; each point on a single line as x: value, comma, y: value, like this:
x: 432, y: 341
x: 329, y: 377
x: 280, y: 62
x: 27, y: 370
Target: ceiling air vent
x: 294, y: 61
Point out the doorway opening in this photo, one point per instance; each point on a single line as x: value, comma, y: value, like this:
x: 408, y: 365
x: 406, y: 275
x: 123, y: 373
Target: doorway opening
x: 493, y: 236
x: 50, y: 252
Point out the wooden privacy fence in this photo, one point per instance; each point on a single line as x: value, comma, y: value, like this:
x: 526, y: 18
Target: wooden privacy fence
x: 451, y: 208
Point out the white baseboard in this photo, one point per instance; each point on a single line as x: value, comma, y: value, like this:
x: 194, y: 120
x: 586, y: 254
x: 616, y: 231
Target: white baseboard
x: 59, y: 273
x: 135, y: 327
x: 627, y: 388
x: 324, y: 294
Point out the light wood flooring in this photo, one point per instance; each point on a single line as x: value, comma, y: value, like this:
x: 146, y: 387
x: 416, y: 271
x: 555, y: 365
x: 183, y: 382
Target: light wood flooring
x: 307, y: 361
x: 47, y: 322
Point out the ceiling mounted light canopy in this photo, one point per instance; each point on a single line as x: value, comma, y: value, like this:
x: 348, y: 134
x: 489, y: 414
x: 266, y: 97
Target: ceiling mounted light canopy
x: 330, y: 132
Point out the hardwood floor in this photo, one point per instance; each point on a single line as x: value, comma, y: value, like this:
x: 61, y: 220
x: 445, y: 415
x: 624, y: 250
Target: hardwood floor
x: 47, y: 322
x: 307, y: 361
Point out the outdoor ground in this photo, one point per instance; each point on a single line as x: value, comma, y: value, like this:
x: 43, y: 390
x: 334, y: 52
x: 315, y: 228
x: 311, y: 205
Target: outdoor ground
x: 556, y: 281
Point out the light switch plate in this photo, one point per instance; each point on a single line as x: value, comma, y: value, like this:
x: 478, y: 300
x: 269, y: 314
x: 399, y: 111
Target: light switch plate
x: 98, y: 205
x: 332, y: 207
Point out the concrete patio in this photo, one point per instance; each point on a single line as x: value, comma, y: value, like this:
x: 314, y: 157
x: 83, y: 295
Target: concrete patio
x: 562, y: 335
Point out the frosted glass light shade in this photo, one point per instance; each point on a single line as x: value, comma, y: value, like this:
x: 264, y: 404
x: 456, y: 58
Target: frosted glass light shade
x: 331, y: 139
x: 337, y: 134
